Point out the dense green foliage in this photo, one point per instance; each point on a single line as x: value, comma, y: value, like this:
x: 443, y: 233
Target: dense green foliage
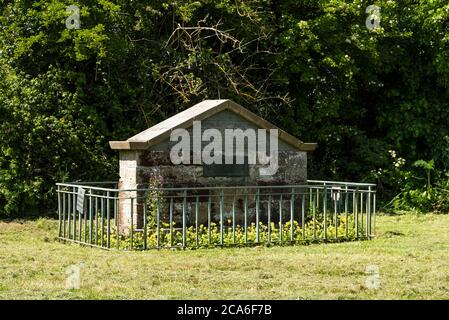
x: 310, y: 66
x: 278, y: 235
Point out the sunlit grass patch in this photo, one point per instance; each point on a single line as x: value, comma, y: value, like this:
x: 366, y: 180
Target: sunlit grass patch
x: 410, y: 251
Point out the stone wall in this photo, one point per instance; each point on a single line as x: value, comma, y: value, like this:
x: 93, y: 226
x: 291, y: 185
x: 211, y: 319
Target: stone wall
x: 156, y: 160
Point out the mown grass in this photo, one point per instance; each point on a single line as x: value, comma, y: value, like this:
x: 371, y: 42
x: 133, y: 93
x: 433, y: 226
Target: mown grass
x: 412, y: 253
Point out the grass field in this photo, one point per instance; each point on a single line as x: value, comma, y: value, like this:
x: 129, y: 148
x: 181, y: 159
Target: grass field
x: 411, y: 252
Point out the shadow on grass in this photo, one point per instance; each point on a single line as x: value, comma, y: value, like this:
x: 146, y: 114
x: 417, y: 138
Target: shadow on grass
x: 18, y: 218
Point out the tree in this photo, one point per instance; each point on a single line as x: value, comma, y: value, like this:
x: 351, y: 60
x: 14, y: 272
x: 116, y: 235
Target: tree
x: 311, y: 67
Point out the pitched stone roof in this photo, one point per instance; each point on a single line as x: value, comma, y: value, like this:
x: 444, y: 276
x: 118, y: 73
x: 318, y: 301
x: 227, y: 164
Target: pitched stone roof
x: 199, y: 112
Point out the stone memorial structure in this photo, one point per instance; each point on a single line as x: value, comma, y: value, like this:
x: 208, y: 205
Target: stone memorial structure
x: 154, y: 157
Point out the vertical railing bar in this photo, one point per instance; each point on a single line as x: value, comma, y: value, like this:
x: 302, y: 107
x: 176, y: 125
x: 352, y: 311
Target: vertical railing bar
x: 59, y: 211
x: 80, y: 222
x: 314, y: 199
x: 158, y: 221
x: 67, y: 218
x: 314, y: 203
x: 374, y: 215
x: 108, y: 218
x: 361, y: 211
x: 368, y: 214
x: 209, y: 213
x: 325, y: 213
x: 96, y: 220
x: 245, y: 222
x: 221, y: 217
x: 85, y: 221
x: 269, y: 218
x: 117, y: 217
x: 184, y: 221
x: 197, y: 207
x: 310, y: 197
x: 257, y: 215
x: 281, y: 227
x: 233, y: 218
x: 74, y: 214
x: 64, y: 207
x: 69, y: 214
x: 346, y: 212
x: 171, y: 222
x: 145, y: 221
x: 356, y: 214
x: 335, y: 217
x: 132, y: 225
x: 303, y: 216
x: 90, y: 217
x: 102, y: 222
x: 292, y: 207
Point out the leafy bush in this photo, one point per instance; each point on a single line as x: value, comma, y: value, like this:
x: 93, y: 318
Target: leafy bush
x: 417, y: 191
x: 313, y: 232
x: 47, y: 136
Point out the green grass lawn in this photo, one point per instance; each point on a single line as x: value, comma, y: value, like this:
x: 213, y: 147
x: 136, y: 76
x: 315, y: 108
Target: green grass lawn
x: 411, y: 252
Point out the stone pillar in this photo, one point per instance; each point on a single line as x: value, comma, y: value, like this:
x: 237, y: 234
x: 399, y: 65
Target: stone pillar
x: 128, y: 200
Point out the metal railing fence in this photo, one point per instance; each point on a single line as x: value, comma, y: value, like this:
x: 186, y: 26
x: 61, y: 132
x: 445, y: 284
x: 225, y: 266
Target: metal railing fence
x: 97, y: 215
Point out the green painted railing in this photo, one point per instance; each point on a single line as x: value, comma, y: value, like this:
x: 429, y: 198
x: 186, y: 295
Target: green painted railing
x: 156, y: 218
